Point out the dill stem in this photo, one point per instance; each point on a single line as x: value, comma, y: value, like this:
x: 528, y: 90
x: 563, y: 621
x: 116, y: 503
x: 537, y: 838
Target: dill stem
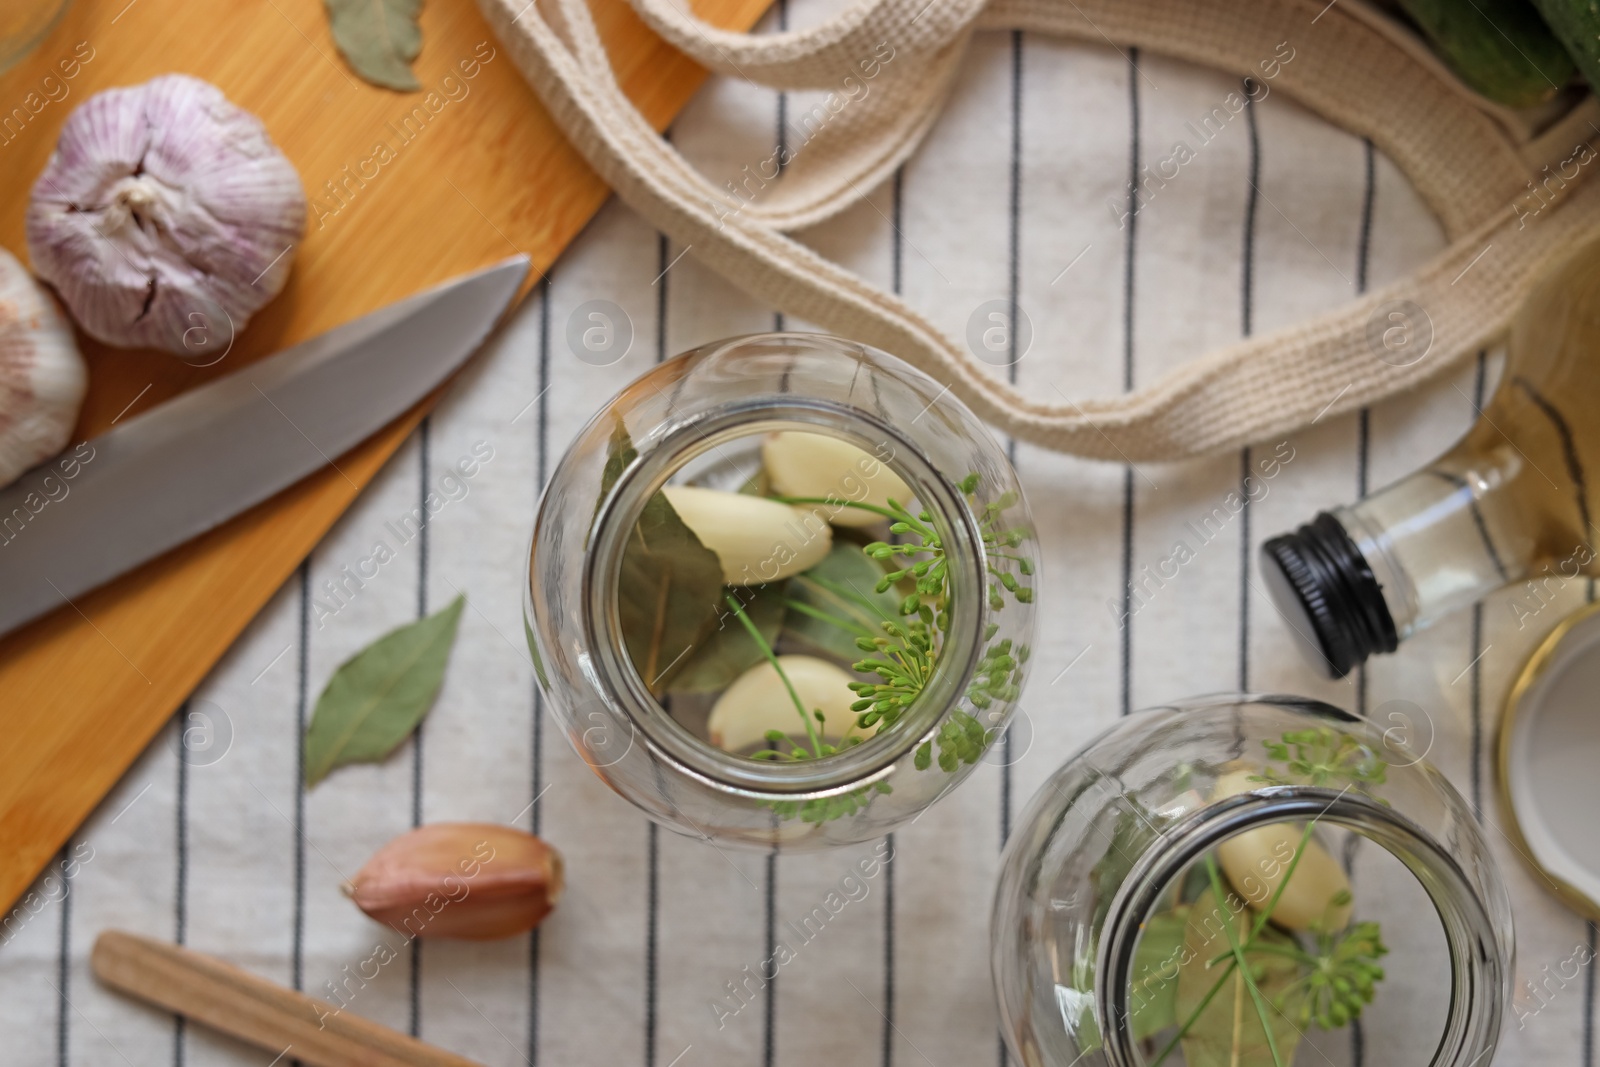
x: 772, y: 658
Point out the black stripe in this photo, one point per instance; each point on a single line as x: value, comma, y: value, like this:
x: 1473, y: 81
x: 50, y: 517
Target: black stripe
x: 297, y: 948
x: 1013, y: 287
x: 896, y: 285
x: 1480, y: 384
x: 1588, y: 1000
x: 769, y: 1008
x: 652, y: 832
x: 542, y: 443
x: 1247, y: 325
x: 1130, y: 247
x: 180, y: 876
x: 1569, y: 450
x: 64, y: 962
x: 1369, y: 192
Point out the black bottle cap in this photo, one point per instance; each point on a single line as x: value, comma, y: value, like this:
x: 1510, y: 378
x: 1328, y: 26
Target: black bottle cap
x: 1323, y: 586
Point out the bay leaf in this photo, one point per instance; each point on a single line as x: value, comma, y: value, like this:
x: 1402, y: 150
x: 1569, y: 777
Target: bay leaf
x: 842, y: 585
x: 669, y: 593
x: 378, y: 696
x: 1228, y: 1032
x: 1153, y: 992
x: 730, y: 650
x: 379, y: 39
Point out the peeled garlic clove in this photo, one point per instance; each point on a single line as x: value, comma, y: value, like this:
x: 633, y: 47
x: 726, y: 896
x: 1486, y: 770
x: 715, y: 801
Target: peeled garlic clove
x: 758, y: 701
x: 757, y: 540
x: 42, y: 376
x: 467, y: 880
x: 166, y: 217
x: 817, y: 465
x: 1257, y: 861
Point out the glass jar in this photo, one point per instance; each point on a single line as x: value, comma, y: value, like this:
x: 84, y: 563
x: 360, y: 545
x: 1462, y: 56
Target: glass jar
x: 1169, y: 850
x: 921, y: 606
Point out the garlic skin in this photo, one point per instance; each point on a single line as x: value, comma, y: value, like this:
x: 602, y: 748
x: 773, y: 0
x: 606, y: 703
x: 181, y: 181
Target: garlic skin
x: 42, y: 376
x: 757, y: 540
x: 758, y: 701
x: 806, y: 464
x: 473, y: 881
x: 165, y: 218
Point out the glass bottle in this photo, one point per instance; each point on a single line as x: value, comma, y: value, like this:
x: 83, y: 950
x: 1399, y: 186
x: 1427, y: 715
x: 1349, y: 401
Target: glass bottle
x: 1512, y: 502
x: 1301, y: 834
x: 638, y: 679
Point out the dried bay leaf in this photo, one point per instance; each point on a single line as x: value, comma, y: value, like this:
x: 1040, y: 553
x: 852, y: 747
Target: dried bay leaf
x: 730, y: 650
x: 379, y: 39
x: 669, y: 592
x: 378, y: 696
x: 1228, y: 1032
x: 844, y: 586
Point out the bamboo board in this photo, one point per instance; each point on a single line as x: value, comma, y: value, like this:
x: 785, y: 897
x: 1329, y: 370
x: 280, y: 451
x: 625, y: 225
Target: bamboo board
x: 482, y: 175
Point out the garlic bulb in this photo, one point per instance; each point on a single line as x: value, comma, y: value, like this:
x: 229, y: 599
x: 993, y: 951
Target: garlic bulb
x: 42, y: 376
x: 166, y: 217
x: 758, y: 701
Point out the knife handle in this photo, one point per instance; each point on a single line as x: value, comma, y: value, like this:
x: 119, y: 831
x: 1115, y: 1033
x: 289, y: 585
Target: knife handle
x: 282, y: 1021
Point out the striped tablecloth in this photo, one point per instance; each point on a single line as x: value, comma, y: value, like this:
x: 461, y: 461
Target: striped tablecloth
x: 1021, y: 191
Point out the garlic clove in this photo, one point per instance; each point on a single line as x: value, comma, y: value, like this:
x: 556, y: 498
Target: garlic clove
x: 757, y: 540
x: 473, y: 881
x: 758, y: 702
x: 166, y: 217
x: 817, y: 465
x: 42, y: 376
x: 1257, y: 861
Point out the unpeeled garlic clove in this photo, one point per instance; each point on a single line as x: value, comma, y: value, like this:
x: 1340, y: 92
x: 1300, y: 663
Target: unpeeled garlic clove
x: 474, y: 881
x: 42, y: 376
x: 1257, y: 861
x: 757, y: 540
x: 758, y: 702
x: 817, y: 465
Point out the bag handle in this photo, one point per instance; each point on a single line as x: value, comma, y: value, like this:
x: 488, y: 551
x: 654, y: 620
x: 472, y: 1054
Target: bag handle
x: 1352, y: 70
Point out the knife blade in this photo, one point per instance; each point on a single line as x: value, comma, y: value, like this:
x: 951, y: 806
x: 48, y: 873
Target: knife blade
x: 191, y: 463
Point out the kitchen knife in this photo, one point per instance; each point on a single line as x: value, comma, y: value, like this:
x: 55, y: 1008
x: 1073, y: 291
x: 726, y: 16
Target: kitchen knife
x: 185, y: 466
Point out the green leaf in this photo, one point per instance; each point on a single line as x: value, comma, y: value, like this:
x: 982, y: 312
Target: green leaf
x: 1227, y: 1031
x: 377, y: 697
x: 1153, y: 993
x: 842, y: 586
x: 669, y: 594
x: 379, y: 39
x: 730, y: 650
x: 619, y: 453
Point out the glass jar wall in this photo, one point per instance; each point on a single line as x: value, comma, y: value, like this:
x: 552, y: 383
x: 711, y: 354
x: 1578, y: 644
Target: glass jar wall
x: 1238, y: 881
x: 780, y: 591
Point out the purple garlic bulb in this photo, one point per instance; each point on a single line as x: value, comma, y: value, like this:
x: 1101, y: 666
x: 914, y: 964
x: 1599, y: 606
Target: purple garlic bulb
x: 165, y: 218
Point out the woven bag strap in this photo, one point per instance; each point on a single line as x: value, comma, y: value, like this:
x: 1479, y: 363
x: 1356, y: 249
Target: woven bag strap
x: 1348, y: 66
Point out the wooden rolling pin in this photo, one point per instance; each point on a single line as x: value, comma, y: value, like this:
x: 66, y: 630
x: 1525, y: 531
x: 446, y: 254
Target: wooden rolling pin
x: 286, y: 1023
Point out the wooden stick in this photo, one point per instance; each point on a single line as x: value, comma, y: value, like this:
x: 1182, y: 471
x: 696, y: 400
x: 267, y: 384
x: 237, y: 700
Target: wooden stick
x: 282, y: 1021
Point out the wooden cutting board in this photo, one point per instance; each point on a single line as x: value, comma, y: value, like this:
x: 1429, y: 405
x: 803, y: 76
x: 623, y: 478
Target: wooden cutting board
x: 478, y: 173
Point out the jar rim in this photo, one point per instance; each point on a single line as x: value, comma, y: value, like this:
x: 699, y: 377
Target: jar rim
x: 1472, y: 1024
x: 616, y: 678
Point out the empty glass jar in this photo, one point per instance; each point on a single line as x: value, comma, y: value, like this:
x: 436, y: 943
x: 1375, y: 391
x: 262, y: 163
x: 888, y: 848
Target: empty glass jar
x: 780, y: 590
x: 1237, y: 881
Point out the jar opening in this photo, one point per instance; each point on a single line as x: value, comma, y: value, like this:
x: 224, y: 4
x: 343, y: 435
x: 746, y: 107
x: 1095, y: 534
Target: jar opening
x: 741, y: 570
x: 1239, y: 933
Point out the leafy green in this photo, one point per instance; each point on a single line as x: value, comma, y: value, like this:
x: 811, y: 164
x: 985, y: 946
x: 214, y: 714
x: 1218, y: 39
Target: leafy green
x: 730, y: 650
x: 1224, y: 1006
x: 379, y: 39
x: 1153, y: 993
x: 1323, y: 756
x: 379, y: 695
x: 619, y: 453
x: 837, y: 601
x: 668, y: 591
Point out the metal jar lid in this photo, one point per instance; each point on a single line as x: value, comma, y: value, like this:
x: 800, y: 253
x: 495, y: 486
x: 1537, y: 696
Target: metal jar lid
x: 1548, y: 758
